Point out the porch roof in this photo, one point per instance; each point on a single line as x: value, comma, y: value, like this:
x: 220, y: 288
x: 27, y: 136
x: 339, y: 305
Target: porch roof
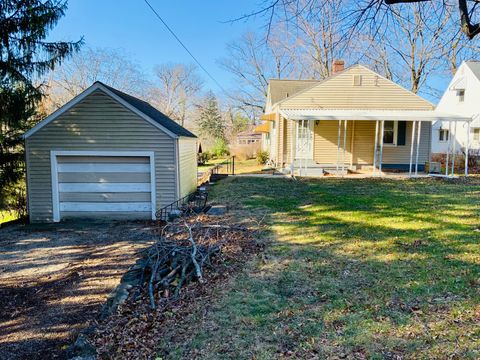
x: 388, y: 115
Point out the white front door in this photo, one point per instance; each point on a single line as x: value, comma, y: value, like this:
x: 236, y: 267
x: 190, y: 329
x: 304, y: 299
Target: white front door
x: 304, y: 140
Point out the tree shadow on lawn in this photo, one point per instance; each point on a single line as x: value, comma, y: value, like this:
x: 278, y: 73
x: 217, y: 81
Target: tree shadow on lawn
x: 355, y: 270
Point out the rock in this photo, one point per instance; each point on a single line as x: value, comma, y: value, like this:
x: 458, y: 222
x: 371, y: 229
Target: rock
x: 217, y: 210
x: 82, y: 349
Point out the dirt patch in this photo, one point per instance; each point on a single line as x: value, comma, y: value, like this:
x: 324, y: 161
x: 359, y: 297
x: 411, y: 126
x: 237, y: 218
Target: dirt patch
x: 54, y: 280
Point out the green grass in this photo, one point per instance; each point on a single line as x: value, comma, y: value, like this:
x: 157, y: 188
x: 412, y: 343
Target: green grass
x: 372, y: 268
x: 6, y: 216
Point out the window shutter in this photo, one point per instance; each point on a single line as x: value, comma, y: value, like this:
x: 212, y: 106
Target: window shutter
x: 402, y: 131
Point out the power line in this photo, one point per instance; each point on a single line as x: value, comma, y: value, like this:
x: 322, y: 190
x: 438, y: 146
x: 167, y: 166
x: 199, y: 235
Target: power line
x: 185, y: 47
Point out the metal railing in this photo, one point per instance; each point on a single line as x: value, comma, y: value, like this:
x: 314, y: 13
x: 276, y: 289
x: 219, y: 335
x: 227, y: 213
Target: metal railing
x: 227, y: 167
x: 194, y: 202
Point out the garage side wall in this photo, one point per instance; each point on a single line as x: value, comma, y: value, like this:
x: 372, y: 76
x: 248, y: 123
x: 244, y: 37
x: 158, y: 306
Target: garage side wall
x: 187, y: 150
x: 100, y: 123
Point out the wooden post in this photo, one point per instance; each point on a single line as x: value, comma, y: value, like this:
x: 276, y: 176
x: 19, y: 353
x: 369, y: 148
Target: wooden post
x: 448, y: 147
x: 414, y: 126
x: 466, y: 148
x: 338, y: 143
x: 344, y: 145
x: 381, y: 148
x: 454, y: 154
x: 418, y: 147
x: 233, y: 165
x: 375, y: 148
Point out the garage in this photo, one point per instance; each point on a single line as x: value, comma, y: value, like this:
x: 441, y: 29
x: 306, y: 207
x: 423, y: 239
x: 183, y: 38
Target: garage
x: 107, y: 184
x: 107, y: 154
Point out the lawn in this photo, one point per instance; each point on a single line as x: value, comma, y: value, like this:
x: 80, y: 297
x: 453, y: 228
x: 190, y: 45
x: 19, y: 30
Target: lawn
x: 241, y: 166
x: 373, y: 268
x: 6, y: 216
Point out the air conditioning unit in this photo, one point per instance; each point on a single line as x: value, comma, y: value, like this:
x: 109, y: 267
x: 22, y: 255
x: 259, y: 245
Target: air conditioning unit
x: 434, y: 167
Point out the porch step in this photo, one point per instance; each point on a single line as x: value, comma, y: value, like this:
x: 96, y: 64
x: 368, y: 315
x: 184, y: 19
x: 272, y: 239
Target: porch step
x: 312, y: 171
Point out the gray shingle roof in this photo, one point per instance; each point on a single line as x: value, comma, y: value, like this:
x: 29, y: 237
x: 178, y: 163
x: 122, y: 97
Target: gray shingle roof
x: 151, y: 112
x: 281, y: 89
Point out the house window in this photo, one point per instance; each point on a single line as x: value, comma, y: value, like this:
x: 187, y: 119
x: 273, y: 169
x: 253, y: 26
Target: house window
x: 443, y: 135
x: 476, y: 134
x: 390, y: 129
x: 461, y: 95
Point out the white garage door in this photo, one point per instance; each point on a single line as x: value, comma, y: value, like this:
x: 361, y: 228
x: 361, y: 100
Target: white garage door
x: 117, y: 187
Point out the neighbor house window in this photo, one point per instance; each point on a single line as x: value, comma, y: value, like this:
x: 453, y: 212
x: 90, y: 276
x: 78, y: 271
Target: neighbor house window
x: 390, y: 133
x: 461, y: 95
x: 476, y: 134
x: 443, y: 135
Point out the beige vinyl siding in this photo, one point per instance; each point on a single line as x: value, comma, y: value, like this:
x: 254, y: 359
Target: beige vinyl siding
x: 187, y: 149
x: 401, y: 154
x: 363, y: 142
x: 325, y: 142
x: 339, y: 92
x: 363, y: 132
x: 96, y: 123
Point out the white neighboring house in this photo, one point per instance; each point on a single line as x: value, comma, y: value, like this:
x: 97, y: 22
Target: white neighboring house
x: 462, y: 97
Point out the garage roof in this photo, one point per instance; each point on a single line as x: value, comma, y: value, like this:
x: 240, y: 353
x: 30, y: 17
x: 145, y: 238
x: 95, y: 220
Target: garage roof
x: 140, y: 107
x: 151, y: 112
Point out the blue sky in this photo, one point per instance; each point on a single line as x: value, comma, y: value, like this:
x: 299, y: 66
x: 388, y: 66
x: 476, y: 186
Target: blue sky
x: 202, y: 25
x: 130, y: 25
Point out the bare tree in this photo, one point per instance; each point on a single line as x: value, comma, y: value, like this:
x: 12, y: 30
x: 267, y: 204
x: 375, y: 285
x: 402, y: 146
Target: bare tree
x: 253, y: 61
x: 176, y: 89
x: 318, y: 37
x: 110, y: 66
x: 372, y: 13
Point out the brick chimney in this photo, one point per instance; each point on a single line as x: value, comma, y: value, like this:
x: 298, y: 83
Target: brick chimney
x: 338, y: 65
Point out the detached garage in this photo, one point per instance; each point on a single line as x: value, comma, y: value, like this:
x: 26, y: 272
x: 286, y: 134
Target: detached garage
x: 106, y: 154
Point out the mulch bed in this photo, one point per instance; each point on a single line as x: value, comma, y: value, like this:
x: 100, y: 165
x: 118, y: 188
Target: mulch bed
x: 132, y: 332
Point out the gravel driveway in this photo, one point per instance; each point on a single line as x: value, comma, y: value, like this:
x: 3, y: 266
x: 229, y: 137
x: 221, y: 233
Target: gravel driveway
x: 55, y: 278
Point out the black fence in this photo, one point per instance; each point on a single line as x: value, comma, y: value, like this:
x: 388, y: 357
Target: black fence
x: 192, y: 203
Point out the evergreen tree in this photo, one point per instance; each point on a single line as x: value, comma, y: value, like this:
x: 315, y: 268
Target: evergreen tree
x: 210, y: 123
x: 25, y: 55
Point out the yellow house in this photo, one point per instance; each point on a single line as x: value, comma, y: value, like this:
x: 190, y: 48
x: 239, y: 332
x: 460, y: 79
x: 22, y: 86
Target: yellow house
x: 354, y: 120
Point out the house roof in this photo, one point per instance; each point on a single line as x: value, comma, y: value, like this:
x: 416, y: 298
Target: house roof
x: 152, y: 112
x: 474, y: 67
x: 140, y: 107
x: 281, y: 89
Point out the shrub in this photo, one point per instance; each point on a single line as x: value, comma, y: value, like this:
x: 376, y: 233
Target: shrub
x: 220, y: 148
x: 203, y: 158
x: 245, y: 151
x: 262, y: 157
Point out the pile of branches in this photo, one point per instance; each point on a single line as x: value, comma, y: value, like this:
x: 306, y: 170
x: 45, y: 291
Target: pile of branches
x: 178, y: 285
x: 185, y: 248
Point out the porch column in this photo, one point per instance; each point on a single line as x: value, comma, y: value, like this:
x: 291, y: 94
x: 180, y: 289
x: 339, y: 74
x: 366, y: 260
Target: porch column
x: 448, y: 147
x: 375, y: 148
x: 414, y: 126
x: 418, y: 147
x: 381, y: 147
x: 344, y: 144
x: 293, y: 147
x: 338, y: 143
x: 454, y: 154
x: 466, y: 148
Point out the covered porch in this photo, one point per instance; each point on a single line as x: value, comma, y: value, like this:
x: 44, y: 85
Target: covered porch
x: 363, y: 141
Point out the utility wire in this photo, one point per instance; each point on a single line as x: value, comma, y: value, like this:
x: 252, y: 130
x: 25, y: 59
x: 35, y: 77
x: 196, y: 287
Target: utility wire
x: 185, y: 47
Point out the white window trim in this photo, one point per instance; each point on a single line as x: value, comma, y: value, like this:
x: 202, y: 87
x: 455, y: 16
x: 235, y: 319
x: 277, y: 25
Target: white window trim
x: 54, y: 173
x: 395, y: 135
x: 445, y: 139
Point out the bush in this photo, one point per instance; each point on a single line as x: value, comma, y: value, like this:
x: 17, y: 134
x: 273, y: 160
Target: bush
x: 203, y: 158
x: 14, y: 199
x: 220, y: 148
x: 245, y: 151
x: 262, y: 157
